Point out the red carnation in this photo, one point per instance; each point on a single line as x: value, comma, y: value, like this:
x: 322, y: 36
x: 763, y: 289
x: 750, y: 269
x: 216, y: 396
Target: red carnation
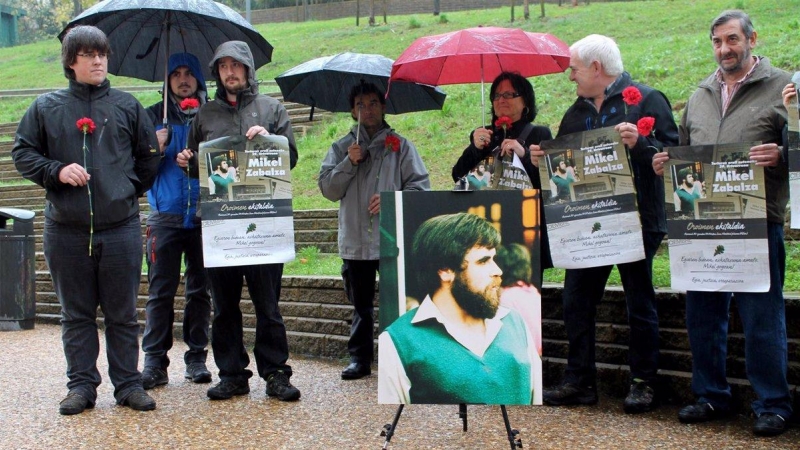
x: 189, y: 103
x: 503, y: 122
x: 392, y: 143
x: 631, y: 96
x: 645, y: 125
x: 86, y: 125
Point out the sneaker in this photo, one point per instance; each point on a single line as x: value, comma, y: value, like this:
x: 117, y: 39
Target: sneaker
x: 226, y: 389
x: 641, y: 398
x: 769, y: 424
x: 700, y: 412
x: 139, y: 401
x: 197, y: 372
x: 74, y: 404
x: 278, y: 385
x: 154, y: 376
x: 570, y: 394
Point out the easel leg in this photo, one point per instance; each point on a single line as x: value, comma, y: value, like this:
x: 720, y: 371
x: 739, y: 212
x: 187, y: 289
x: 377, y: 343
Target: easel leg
x: 462, y: 414
x: 513, y: 438
x: 388, y: 429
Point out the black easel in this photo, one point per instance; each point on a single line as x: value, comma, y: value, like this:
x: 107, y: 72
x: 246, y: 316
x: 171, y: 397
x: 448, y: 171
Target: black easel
x: 512, y: 434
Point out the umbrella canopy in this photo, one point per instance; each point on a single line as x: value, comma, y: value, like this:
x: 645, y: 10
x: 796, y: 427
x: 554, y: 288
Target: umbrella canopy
x: 477, y: 54
x: 326, y: 83
x: 143, y: 33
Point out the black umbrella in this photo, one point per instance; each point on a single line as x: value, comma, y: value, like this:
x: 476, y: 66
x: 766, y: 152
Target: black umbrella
x: 143, y: 33
x: 326, y: 83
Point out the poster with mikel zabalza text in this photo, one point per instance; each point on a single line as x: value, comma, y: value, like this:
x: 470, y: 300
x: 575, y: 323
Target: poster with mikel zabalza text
x: 590, y: 200
x: 794, y: 160
x: 246, y: 201
x: 716, y: 219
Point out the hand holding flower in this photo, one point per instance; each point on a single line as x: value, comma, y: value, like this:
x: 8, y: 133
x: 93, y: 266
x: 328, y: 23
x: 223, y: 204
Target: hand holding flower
x: 509, y: 146
x: 374, y: 204
x: 74, y: 175
x: 183, y: 157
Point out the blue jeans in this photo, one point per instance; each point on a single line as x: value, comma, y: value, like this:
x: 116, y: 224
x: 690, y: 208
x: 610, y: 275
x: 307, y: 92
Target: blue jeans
x: 583, y: 291
x: 165, y: 249
x: 108, y: 278
x: 764, y: 321
x: 271, y: 350
x: 359, y: 286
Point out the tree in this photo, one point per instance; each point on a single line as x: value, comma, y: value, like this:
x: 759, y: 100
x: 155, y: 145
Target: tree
x: 371, y: 12
x: 436, y: 7
x: 525, y: 11
x: 512, y: 10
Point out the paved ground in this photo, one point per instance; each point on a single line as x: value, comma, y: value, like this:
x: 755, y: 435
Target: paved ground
x: 332, y: 414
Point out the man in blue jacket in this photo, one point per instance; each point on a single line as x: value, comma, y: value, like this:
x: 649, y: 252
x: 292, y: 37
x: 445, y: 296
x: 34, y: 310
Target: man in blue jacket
x: 173, y: 230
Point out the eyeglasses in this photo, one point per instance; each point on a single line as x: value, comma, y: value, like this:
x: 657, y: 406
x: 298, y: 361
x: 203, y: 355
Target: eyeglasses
x: 93, y: 55
x: 505, y: 95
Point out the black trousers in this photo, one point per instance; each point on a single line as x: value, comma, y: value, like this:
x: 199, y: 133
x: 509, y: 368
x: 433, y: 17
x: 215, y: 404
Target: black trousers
x: 359, y: 285
x: 271, y: 349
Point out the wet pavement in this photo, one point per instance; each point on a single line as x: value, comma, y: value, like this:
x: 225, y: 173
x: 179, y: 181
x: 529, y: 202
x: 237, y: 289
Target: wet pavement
x: 332, y: 414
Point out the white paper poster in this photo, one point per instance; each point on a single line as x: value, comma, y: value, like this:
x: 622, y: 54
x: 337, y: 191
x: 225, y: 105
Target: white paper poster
x: 246, y: 201
x: 590, y: 204
x: 716, y: 219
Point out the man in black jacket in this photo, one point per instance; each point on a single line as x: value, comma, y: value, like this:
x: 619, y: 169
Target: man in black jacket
x: 94, y: 150
x: 596, y: 68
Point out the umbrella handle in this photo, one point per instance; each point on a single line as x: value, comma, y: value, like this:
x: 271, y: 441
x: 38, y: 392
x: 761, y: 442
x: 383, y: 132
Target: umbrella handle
x: 358, y: 127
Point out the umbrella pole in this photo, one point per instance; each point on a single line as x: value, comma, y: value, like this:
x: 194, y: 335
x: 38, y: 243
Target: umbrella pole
x: 483, y: 98
x: 166, y: 69
x: 358, y: 127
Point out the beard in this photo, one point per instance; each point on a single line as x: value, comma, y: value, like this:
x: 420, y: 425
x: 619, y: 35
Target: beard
x: 561, y: 171
x: 688, y: 184
x: 478, y: 304
x: 738, y: 65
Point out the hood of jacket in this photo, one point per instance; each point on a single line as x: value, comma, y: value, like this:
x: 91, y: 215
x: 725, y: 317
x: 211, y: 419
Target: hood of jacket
x: 189, y: 60
x: 239, y: 51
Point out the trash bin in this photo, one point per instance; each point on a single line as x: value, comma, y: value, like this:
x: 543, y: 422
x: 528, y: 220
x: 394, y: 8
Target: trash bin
x: 17, y: 270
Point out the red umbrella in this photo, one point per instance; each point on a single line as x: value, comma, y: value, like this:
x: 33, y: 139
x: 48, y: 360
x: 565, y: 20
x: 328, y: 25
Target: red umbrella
x: 477, y: 54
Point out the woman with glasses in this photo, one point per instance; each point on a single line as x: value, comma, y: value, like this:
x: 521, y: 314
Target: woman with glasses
x: 513, y: 97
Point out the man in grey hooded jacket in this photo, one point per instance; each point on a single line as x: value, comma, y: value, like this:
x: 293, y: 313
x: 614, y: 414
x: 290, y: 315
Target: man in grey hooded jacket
x: 372, y: 158
x: 238, y: 108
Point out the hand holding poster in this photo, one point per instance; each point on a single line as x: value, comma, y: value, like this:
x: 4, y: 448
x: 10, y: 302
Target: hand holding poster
x: 716, y: 219
x: 590, y: 206
x: 246, y: 201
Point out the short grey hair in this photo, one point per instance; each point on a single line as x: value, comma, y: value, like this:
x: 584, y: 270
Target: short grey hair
x: 596, y: 47
x: 733, y: 14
